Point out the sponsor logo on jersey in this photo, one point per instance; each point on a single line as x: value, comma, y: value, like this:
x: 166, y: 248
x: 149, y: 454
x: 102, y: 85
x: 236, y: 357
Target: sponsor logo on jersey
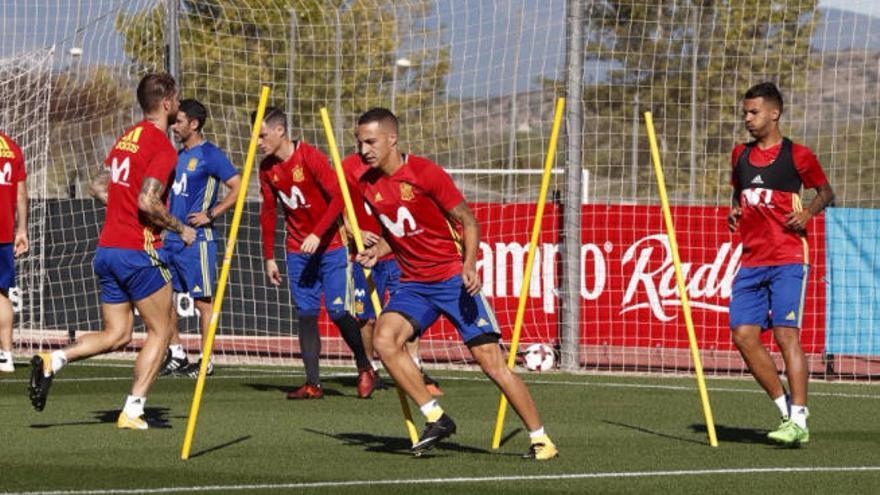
x: 5, y: 149
x: 295, y: 199
x: 757, y: 180
x: 119, y: 171
x: 129, y: 141
x: 758, y: 196
x: 406, y: 192
x: 193, y: 162
x: 297, y: 174
x: 399, y: 226
x: 6, y: 174
x: 179, y: 187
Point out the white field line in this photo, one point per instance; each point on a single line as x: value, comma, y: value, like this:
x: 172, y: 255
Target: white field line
x: 783, y: 470
x: 255, y: 373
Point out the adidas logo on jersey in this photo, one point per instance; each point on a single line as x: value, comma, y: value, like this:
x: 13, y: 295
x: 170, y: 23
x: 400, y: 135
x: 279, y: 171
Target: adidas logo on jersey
x: 5, y: 149
x: 757, y: 180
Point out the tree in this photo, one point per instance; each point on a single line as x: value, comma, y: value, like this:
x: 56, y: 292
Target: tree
x: 229, y: 48
x: 649, y: 51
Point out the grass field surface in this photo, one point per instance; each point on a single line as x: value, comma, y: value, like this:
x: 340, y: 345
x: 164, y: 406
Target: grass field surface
x: 616, y: 434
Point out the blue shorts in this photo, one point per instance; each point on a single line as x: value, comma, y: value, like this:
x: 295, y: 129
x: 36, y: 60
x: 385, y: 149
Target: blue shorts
x: 312, y: 274
x: 769, y: 296
x: 129, y: 274
x: 7, y: 266
x: 193, y: 268
x: 423, y: 302
x: 386, y: 275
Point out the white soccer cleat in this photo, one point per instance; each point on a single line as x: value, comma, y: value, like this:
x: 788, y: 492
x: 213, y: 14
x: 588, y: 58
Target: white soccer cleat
x: 6, y: 364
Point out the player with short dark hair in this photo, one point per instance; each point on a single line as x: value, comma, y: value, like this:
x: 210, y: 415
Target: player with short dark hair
x: 414, y: 199
x: 769, y: 289
x: 134, y: 186
x: 201, y: 167
x: 299, y: 176
x: 13, y: 236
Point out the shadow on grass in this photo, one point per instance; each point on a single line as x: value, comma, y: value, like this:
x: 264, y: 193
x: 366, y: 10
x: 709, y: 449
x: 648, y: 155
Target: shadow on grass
x: 736, y: 434
x: 221, y: 446
x: 510, y: 436
x: 394, y: 445
x: 157, y: 417
x: 651, y: 432
x: 271, y: 387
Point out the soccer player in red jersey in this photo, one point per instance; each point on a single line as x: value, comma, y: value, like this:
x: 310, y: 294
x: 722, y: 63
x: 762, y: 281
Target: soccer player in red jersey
x: 299, y: 176
x: 134, y: 186
x: 413, y: 197
x: 768, y: 291
x: 13, y: 237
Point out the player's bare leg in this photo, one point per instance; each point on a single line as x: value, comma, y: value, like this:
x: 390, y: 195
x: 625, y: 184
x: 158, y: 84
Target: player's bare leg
x: 748, y: 340
x: 493, y: 364
x: 789, y: 343
x: 116, y: 334
x: 412, y: 346
x: 155, y: 310
x: 6, y: 331
x: 389, y: 339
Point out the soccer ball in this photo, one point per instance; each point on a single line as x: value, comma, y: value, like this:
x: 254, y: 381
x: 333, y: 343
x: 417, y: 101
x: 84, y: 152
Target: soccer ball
x: 539, y: 357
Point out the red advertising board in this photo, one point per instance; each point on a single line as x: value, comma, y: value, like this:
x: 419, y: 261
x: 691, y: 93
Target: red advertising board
x: 627, y: 283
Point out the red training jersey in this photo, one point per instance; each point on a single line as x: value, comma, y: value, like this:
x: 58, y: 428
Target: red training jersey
x: 411, y: 206
x: 142, y: 151
x: 775, y: 176
x: 354, y: 168
x: 11, y: 173
x: 309, y: 192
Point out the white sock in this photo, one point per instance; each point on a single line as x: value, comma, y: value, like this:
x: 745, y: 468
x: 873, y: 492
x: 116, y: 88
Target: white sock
x: 377, y: 365
x: 6, y: 355
x: 782, y: 402
x: 134, y: 406
x: 799, y: 415
x: 429, y: 406
x: 537, y: 433
x: 177, y: 351
x: 58, y: 360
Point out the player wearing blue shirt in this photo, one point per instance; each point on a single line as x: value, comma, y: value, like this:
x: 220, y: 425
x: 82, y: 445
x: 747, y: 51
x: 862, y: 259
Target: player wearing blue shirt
x: 201, y: 167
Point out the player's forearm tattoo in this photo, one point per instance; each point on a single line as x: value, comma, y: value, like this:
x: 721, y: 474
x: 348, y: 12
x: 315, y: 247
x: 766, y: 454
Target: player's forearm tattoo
x: 98, y: 186
x: 150, y: 202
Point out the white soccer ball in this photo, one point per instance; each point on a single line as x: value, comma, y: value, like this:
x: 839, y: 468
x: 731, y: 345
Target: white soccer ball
x: 539, y: 357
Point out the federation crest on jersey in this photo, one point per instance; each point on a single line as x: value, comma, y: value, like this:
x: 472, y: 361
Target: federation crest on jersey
x: 193, y: 162
x: 406, y: 192
x: 297, y: 174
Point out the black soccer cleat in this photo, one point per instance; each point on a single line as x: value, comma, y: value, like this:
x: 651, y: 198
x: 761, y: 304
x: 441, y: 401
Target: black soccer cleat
x: 433, y: 433
x: 38, y: 388
x: 191, y: 370
x: 173, y: 365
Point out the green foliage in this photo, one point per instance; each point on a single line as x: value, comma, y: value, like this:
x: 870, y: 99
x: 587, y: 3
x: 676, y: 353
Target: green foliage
x: 649, y: 51
x: 230, y: 48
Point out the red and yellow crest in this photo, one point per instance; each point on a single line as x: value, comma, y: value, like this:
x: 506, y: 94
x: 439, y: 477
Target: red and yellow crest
x: 406, y: 192
x: 297, y: 174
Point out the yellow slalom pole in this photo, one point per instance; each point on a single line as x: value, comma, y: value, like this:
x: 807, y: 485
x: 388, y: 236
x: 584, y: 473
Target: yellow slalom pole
x: 527, y: 276
x: 359, y: 243
x: 224, y: 275
x: 679, y: 278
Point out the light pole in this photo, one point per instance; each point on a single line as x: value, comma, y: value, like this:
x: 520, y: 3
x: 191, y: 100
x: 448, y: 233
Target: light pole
x: 401, y: 62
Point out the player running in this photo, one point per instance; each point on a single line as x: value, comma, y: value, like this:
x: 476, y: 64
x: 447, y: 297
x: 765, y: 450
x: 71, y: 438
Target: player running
x: 201, y: 166
x: 13, y: 237
x: 133, y: 184
x: 413, y: 198
x: 299, y: 176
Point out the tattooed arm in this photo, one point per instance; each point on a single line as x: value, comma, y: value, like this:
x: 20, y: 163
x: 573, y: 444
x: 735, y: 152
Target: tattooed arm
x: 151, y: 204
